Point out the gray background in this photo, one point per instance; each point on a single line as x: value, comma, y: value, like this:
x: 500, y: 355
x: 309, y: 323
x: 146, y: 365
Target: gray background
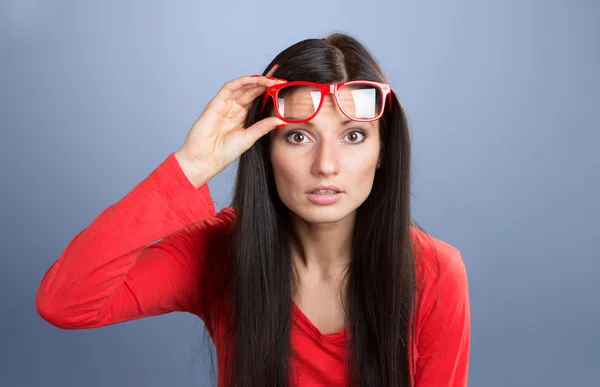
x: 502, y: 99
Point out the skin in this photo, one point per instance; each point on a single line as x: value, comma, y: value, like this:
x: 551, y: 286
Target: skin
x: 326, y: 150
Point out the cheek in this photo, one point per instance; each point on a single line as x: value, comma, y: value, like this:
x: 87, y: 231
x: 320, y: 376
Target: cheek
x: 285, y: 171
x: 362, y: 173
x: 363, y: 162
x: 366, y: 175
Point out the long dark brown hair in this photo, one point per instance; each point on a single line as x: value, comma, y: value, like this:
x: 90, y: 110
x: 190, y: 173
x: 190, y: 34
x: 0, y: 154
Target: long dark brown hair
x: 381, y: 277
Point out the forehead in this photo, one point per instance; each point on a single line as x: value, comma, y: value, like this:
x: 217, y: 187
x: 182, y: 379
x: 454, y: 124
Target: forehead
x: 362, y: 101
x: 330, y: 115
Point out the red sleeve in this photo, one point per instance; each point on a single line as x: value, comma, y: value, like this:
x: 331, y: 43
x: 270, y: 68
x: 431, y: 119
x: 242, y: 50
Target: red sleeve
x: 444, y: 333
x: 140, y: 257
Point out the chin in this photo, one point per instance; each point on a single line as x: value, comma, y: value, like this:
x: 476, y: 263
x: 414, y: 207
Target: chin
x: 316, y: 214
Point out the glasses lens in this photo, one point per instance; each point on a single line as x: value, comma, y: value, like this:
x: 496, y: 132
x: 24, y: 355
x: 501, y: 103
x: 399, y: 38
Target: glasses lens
x: 361, y: 101
x: 298, y: 102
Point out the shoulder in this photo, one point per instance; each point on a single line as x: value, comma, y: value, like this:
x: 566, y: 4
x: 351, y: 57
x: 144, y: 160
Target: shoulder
x: 441, y: 271
x: 442, y: 334
x: 207, y: 239
x: 225, y: 219
x: 217, y: 226
x: 435, y: 258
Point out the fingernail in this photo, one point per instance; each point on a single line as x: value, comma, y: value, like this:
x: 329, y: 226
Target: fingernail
x: 271, y: 78
x: 255, y: 75
x: 280, y: 126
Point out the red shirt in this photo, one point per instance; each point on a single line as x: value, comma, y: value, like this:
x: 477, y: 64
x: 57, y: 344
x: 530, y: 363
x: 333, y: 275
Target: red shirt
x: 138, y: 259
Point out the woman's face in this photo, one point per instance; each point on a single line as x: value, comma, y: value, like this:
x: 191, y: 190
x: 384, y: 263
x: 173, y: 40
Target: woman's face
x: 328, y: 150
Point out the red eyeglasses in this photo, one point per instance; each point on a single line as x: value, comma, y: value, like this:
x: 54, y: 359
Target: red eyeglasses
x: 300, y: 101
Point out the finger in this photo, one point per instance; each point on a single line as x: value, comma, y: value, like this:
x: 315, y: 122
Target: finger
x: 250, y: 95
x: 272, y: 71
x: 245, y: 95
x: 259, y: 129
x: 232, y: 86
x: 239, y: 92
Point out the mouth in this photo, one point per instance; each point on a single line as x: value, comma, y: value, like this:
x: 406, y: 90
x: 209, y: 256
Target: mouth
x: 325, y: 189
x: 324, y: 197
x: 324, y: 192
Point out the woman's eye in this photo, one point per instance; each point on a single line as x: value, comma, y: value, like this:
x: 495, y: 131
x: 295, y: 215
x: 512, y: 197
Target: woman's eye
x: 354, y: 136
x: 296, y: 137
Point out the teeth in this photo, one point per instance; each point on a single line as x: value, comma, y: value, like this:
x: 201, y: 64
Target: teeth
x: 324, y: 192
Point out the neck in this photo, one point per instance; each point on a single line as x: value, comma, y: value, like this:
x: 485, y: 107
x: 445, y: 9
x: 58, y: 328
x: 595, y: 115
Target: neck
x: 322, y: 251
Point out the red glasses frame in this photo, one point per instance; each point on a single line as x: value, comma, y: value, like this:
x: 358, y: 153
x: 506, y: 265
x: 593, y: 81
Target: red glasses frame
x: 326, y: 89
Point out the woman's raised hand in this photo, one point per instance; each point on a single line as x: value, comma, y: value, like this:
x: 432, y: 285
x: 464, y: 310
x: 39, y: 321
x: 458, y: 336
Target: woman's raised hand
x: 218, y: 136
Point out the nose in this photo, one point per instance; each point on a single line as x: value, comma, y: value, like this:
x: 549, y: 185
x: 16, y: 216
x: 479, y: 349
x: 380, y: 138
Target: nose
x: 326, y: 158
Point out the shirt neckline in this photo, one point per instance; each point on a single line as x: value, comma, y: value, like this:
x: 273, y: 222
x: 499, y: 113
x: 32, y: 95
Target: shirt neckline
x: 308, y: 326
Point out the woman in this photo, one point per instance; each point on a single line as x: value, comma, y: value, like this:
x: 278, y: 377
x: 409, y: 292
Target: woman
x: 316, y: 274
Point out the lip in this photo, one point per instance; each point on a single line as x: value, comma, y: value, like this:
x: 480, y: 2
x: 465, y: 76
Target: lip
x: 324, y: 199
x: 326, y: 187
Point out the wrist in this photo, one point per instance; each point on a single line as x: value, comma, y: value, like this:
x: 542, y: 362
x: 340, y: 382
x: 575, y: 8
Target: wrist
x: 197, y: 173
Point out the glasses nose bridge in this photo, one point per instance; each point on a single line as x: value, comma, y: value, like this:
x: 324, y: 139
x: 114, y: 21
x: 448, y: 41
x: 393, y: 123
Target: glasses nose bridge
x: 330, y: 89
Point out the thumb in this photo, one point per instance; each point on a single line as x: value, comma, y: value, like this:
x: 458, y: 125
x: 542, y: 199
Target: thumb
x: 260, y: 128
